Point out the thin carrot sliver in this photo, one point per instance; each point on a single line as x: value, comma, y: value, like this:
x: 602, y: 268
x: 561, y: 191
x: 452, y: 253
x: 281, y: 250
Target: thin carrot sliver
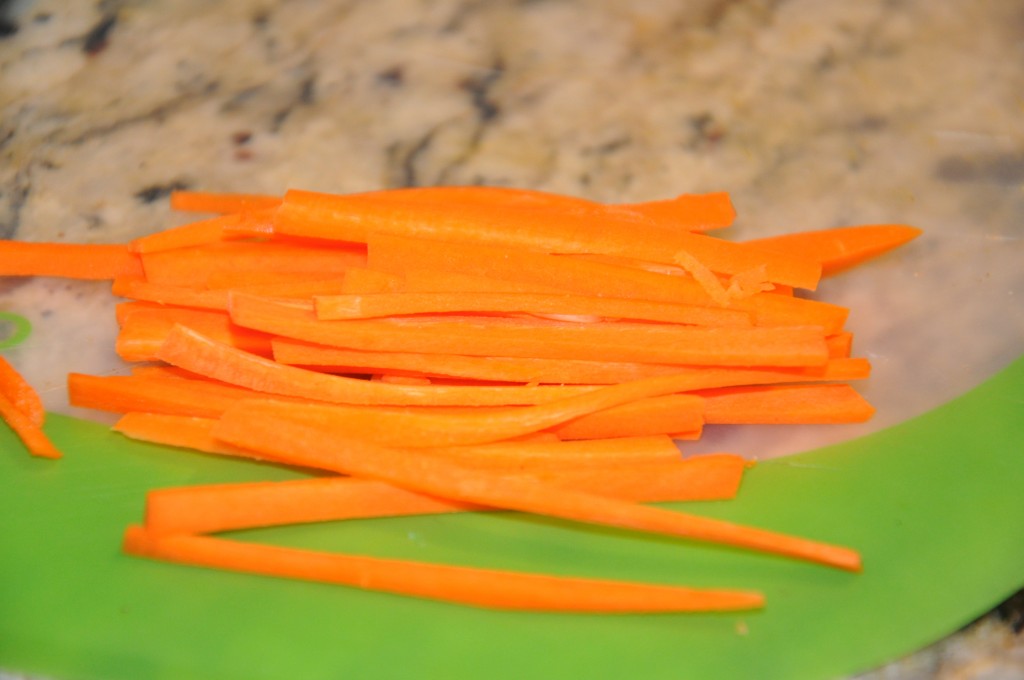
x: 665, y: 414
x: 396, y: 304
x: 185, y: 236
x: 67, y: 260
x: 688, y: 212
x: 785, y: 404
x: 619, y: 233
x: 305, y: 443
x: 21, y: 394
x: 841, y: 248
x: 31, y: 435
x: 212, y: 202
x: 230, y: 507
x: 144, y: 327
x: 654, y: 343
x: 464, y: 585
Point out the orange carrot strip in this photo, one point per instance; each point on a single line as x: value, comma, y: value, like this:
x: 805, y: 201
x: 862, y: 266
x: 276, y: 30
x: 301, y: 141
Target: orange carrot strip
x: 842, y: 248
x: 192, y: 266
x: 689, y: 212
x: 839, y: 344
x: 201, y: 355
x: 402, y: 255
x: 350, y: 218
x: 305, y: 443
x: 416, y: 428
x: 394, y: 304
x: 545, y: 371
x: 665, y: 414
x: 186, y: 235
x: 360, y: 281
x: 169, y: 294
x: 654, y: 343
x: 229, y: 507
x: 786, y: 404
x: 210, y: 202
x: 30, y: 434
x: 463, y: 585
x: 21, y: 394
x: 67, y: 260
x: 144, y: 329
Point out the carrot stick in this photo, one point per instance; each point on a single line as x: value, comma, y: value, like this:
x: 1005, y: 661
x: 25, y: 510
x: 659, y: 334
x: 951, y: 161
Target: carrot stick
x: 30, y: 434
x: 21, y: 394
x: 66, y: 260
x: 196, y: 353
x: 394, y: 304
x: 758, y: 346
x: 360, y: 281
x: 186, y: 236
x: 305, y: 443
x: 463, y: 585
x: 786, y: 404
x: 664, y: 414
x: 839, y: 344
x: 689, y: 212
x: 618, y: 232
x: 842, y: 248
x: 210, y: 202
x: 541, y: 371
x: 192, y: 266
x: 400, y: 255
x: 230, y: 507
x: 144, y: 329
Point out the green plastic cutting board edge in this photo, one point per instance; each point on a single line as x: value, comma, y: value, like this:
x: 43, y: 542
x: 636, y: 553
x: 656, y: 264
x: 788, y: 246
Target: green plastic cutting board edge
x: 935, y: 505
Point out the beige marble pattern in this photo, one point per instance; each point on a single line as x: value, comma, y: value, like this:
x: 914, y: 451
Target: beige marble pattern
x: 811, y: 113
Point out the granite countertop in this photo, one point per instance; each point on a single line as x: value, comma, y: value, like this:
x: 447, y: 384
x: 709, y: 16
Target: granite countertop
x: 811, y: 114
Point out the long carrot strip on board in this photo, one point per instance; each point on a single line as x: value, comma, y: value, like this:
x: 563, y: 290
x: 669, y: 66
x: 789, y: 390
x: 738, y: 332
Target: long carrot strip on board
x: 397, y: 304
x: 21, y: 394
x: 655, y: 343
x: 196, y: 433
x: 67, y: 260
x: 688, y: 212
x: 790, y: 404
x: 188, y: 235
x: 665, y: 414
x: 465, y: 585
x: 229, y: 507
x: 350, y: 218
x: 192, y: 266
x: 304, y: 443
x: 212, y: 202
x: 842, y: 248
x: 557, y: 371
x: 399, y: 255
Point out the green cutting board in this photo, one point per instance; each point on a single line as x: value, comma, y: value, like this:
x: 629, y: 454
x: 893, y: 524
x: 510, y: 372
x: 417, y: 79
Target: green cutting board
x: 934, y: 504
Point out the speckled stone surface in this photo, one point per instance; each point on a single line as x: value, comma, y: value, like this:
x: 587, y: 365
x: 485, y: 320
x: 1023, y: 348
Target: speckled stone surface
x: 811, y: 113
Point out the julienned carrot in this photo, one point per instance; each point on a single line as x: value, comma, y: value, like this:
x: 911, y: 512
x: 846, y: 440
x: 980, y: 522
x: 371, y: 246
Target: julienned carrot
x: 396, y: 304
x: 398, y: 255
x: 785, y: 404
x: 305, y: 443
x: 230, y: 507
x: 144, y: 327
x: 217, y: 298
x: 666, y: 414
x: 840, y: 345
x: 542, y: 371
x: 211, y: 202
x: 841, y: 248
x: 67, y: 260
x: 21, y: 394
x: 196, y: 433
x: 186, y: 235
x: 401, y: 427
x: 192, y: 266
x: 616, y: 233
x: 464, y: 585
x: 630, y: 342
x: 196, y: 353
x: 31, y: 435
x: 688, y: 212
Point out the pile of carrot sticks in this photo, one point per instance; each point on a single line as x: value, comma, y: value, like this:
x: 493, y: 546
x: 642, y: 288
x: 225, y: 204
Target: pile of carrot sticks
x: 453, y: 349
